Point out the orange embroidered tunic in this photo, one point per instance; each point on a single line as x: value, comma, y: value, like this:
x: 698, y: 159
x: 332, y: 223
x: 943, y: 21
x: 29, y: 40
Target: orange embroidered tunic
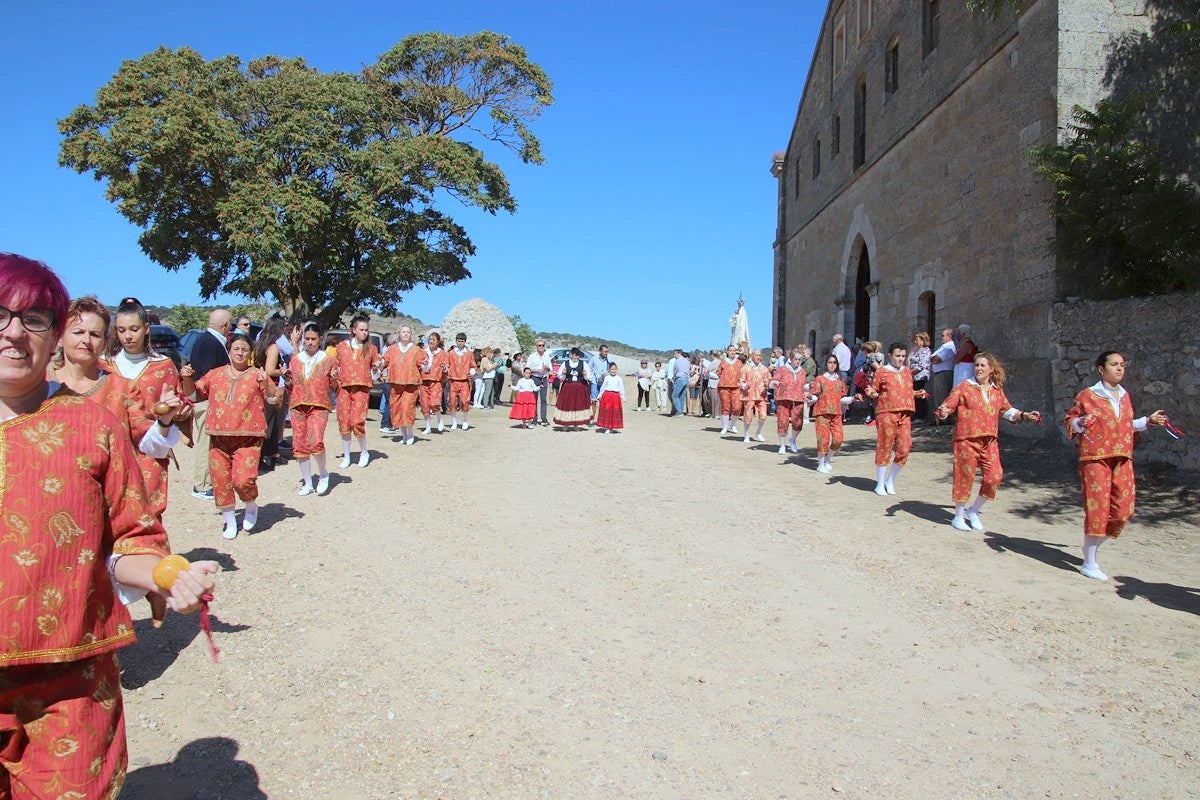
x: 895, y: 388
x: 112, y: 392
x: 236, y: 402
x: 729, y: 374
x: 978, y: 413
x: 354, y: 365
x: 145, y: 391
x: 404, y: 366
x: 70, y: 495
x: 829, y: 392
x: 1111, y: 435
x: 437, y: 360
x: 313, y: 390
x: 461, y: 364
x: 756, y: 379
x: 790, y: 383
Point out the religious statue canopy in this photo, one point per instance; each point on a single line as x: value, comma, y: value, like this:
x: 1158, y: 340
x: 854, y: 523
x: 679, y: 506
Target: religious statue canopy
x: 739, y: 327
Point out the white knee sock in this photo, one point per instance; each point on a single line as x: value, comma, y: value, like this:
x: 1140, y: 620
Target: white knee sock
x: 758, y: 430
x: 346, y: 446
x: 306, y: 472
x: 362, y: 444
x: 977, y: 506
x: 960, y: 511
x: 321, y: 470
x: 880, y: 477
x: 230, y: 517
x: 1091, y: 546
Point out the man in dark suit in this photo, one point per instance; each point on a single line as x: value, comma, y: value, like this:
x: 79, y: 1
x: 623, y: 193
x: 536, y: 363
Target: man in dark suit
x: 209, y: 352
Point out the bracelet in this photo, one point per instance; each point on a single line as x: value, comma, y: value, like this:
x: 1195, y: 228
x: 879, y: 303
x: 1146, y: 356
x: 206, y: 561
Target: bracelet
x: 165, y: 427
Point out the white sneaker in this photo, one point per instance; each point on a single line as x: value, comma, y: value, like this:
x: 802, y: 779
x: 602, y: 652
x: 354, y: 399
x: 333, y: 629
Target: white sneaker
x: 249, y: 519
x: 724, y: 431
x: 973, y: 518
x: 782, y: 450
x: 959, y: 524
x: 733, y: 430
x: 465, y: 425
x: 1093, y: 571
x: 345, y: 462
x: 427, y: 430
x: 826, y: 467
x: 323, y: 485
x: 795, y: 448
x: 441, y: 427
x: 454, y: 426
x: 889, y: 487
x: 880, y: 490
x: 230, y: 531
x: 364, y: 458
x: 758, y: 437
x: 410, y: 440
x: 306, y: 489
x: 746, y: 439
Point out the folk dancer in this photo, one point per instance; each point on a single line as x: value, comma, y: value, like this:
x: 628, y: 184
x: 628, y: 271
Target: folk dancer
x: 610, y: 416
x: 405, y: 360
x: 895, y: 404
x: 755, y: 377
x: 729, y: 382
x: 1102, y: 420
x: 827, y: 394
x: 461, y: 369
x: 788, y: 382
x: 355, y: 359
x: 308, y: 379
x: 433, y: 375
x: 979, y: 403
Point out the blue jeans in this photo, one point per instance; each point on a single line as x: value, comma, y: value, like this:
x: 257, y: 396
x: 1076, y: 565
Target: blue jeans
x: 385, y: 407
x: 679, y: 389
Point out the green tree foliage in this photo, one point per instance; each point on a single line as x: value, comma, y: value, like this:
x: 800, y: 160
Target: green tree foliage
x: 183, y: 317
x: 1124, y: 227
x: 320, y: 189
x: 526, y: 336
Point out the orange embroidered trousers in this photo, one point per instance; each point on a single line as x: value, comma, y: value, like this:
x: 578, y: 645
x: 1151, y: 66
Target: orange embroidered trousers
x: 1108, y: 494
x: 829, y: 433
x: 431, y: 397
x: 894, y: 432
x: 352, y: 405
x: 789, y: 413
x: 460, y: 396
x: 731, y: 401
x: 971, y: 455
x: 233, y: 464
x: 404, y: 404
x: 308, y: 430
x: 62, y: 730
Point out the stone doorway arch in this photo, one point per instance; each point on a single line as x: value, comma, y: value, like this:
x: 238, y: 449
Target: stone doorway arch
x: 858, y: 304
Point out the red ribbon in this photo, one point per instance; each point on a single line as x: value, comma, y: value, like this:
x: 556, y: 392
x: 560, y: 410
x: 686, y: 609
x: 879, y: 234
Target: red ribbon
x: 1171, y: 429
x: 206, y: 626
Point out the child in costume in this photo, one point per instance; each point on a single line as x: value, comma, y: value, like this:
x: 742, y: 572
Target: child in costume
x: 308, y: 378
x: 755, y: 377
x: 611, y: 416
x: 827, y: 393
x: 979, y: 403
x: 1102, y: 421
x: 895, y: 404
x: 788, y: 382
x: 355, y: 358
x: 524, y: 407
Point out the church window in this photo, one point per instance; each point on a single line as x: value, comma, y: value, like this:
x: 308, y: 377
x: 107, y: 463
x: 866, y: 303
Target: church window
x: 930, y: 21
x: 860, y: 123
x: 891, y: 67
x: 839, y: 45
x: 864, y: 18
x: 816, y: 157
x: 835, y: 140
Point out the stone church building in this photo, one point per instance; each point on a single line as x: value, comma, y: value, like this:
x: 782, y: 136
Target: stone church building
x: 907, y: 200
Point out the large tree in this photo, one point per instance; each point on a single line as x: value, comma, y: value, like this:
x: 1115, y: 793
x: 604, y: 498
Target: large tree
x: 324, y: 190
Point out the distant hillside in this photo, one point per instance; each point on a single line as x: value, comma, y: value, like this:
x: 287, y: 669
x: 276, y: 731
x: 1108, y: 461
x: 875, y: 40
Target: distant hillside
x: 593, y: 342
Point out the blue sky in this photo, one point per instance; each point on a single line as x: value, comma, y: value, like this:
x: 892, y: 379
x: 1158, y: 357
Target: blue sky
x: 655, y: 207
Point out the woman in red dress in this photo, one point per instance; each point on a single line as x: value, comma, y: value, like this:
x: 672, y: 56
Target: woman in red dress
x: 572, y: 407
x: 78, y: 530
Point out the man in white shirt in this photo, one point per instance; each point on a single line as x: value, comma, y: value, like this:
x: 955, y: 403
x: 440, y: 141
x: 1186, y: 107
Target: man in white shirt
x: 942, y: 368
x: 539, y: 363
x: 843, y: 355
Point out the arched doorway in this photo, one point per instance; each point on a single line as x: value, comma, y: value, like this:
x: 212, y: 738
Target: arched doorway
x: 927, y: 308
x: 862, y: 300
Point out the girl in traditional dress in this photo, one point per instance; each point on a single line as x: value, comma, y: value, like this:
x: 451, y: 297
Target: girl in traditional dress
x: 979, y: 403
x: 355, y: 358
x: 524, y: 407
x: 433, y: 375
x: 611, y: 418
x: 309, y: 381
x: 755, y: 377
x: 895, y: 403
x: 150, y: 376
x: 1102, y: 420
x: 729, y: 381
x: 79, y: 538
x: 405, y: 360
x: 827, y: 393
x: 788, y: 382
x: 572, y: 407
x: 237, y: 397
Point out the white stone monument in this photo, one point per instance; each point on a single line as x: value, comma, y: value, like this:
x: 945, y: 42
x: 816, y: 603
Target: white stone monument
x: 739, y: 327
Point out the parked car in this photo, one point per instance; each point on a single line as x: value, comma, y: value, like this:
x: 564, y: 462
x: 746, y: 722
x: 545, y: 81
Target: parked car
x: 187, y: 342
x: 339, y: 334
x: 561, y: 354
x: 166, y: 342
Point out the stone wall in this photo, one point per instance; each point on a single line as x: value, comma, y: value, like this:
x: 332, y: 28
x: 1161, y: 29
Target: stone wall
x: 1160, y: 339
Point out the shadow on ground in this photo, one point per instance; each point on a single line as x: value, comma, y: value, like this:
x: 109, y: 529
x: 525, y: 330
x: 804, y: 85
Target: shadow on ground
x: 206, y: 769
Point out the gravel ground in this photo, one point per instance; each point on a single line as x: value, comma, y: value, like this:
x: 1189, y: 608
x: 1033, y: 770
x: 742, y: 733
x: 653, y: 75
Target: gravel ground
x: 664, y: 613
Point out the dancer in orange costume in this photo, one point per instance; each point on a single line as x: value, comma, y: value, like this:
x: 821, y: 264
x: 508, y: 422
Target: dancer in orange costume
x: 80, y: 539
x: 150, y: 377
x: 461, y: 369
x: 1102, y: 420
x: 755, y: 377
x: 828, y: 395
x: 729, y: 387
x: 788, y: 382
x: 979, y: 403
x: 433, y: 376
x: 237, y: 425
x: 309, y: 382
x: 405, y: 361
x: 356, y: 358
x: 895, y: 404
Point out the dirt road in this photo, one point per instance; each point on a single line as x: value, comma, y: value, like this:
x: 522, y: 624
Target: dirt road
x: 663, y: 613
